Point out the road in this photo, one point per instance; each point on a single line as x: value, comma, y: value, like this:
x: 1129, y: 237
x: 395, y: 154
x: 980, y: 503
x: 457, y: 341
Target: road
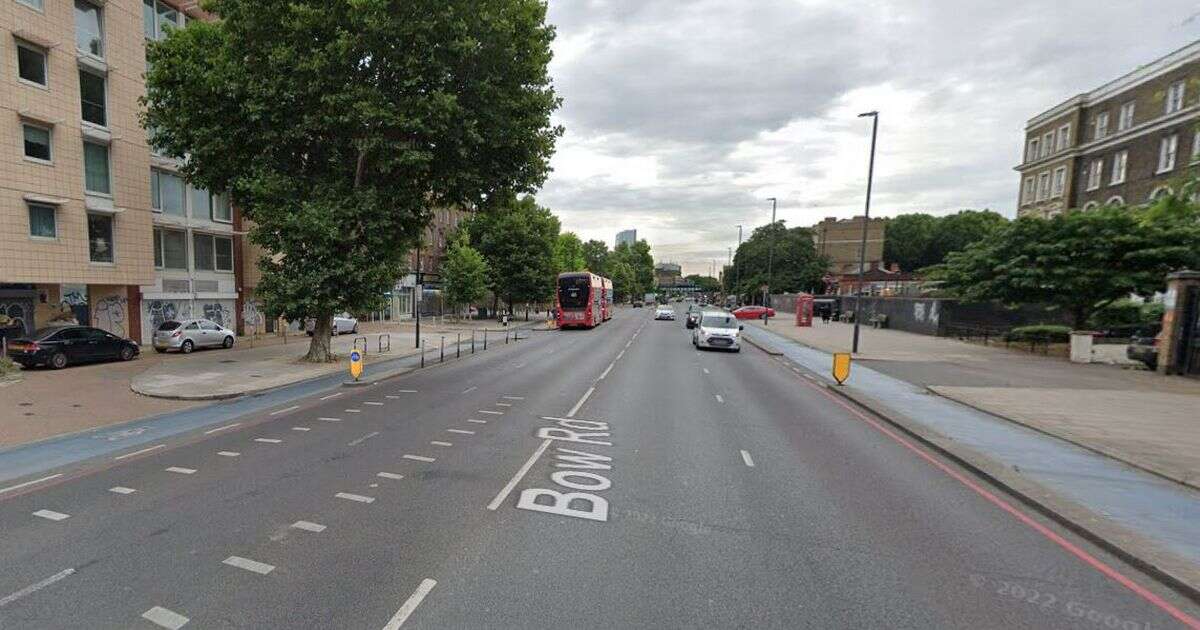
x: 715, y: 490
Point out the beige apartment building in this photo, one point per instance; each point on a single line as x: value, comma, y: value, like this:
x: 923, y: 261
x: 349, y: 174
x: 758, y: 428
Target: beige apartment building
x: 93, y: 226
x: 1125, y: 142
x: 840, y: 240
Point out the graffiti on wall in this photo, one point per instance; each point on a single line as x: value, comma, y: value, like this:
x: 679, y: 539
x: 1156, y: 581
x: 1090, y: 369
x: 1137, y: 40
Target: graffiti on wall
x: 219, y: 313
x: 252, y: 314
x: 931, y: 312
x: 17, y: 313
x: 109, y: 314
x: 160, y: 311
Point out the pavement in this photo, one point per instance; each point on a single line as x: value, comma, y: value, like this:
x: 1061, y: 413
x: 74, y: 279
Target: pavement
x: 614, y: 477
x: 1138, y: 417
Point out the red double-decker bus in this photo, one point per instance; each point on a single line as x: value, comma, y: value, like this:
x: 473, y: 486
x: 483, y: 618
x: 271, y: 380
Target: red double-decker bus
x: 584, y: 299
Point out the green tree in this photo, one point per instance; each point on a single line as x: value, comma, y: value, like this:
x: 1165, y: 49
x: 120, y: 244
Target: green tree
x: 1080, y: 261
x: 337, y: 125
x: 916, y: 241
x: 517, y: 238
x: 624, y: 284
x: 796, y: 266
x: 595, y: 257
x: 642, y: 264
x: 707, y: 284
x: 569, y: 253
x: 464, y: 273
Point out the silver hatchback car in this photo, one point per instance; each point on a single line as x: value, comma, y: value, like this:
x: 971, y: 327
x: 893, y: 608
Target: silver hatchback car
x: 189, y: 334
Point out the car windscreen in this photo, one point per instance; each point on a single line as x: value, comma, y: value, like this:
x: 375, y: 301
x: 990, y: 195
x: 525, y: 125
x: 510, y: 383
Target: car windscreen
x: 573, y: 291
x: 42, y: 333
x: 719, y: 321
x: 168, y: 326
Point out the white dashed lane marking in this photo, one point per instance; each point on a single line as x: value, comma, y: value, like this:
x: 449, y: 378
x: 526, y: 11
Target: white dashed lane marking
x: 308, y: 527
x: 373, y: 403
x: 228, y: 426
x: 514, y: 398
x: 503, y: 404
x: 477, y: 421
x: 363, y: 439
x: 462, y: 431
x: 267, y: 440
x: 746, y: 458
x: 406, y: 391
x: 718, y: 397
x: 51, y: 515
x: 285, y: 410
x: 419, y: 458
x: 354, y: 497
x: 440, y: 443
x: 29, y: 483
x: 165, y: 618
x: 228, y: 453
x: 410, y: 604
x: 353, y: 410
x: 391, y: 397
x: 331, y: 396
x: 121, y: 490
x: 33, y: 588
x: 330, y: 419
x: 492, y: 413
x: 145, y: 450
x: 469, y: 389
x: 388, y: 475
x: 255, y: 566
x: 181, y: 471
x: 301, y: 429
x: 706, y: 371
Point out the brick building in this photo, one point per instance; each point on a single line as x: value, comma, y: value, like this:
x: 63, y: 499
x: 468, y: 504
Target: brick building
x: 840, y: 240
x: 1124, y: 142
x: 667, y: 274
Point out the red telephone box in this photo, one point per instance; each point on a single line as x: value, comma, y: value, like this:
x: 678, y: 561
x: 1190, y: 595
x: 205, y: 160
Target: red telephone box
x: 804, y: 309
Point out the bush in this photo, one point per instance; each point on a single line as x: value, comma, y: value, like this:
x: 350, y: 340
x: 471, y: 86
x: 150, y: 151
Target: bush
x: 8, y: 367
x: 1040, y: 333
x: 1126, y: 313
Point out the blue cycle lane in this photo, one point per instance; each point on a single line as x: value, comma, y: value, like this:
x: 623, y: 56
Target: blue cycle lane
x: 1164, y: 512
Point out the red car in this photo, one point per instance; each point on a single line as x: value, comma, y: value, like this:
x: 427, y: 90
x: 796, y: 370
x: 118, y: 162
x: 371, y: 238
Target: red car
x: 753, y: 312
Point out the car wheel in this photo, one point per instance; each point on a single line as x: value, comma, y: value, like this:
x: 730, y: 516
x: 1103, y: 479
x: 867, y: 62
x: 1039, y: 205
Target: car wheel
x: 738, y: 349
x: 354, y: 330
x: 58, y: 361
x: 160, y: 350
x: 126, y: 353
x: 187, y: 346
x: 228, y: 343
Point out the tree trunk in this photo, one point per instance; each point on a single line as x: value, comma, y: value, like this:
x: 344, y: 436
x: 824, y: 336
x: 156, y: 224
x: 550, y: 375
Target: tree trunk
x: 318, y: 347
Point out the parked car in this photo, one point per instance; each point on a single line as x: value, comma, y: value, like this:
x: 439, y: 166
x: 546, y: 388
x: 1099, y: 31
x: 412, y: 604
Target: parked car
x: 664, y: 312
x: 693, y: 316
x: 188, y: 334
x: 637, y: 304
x: 1143, y: 346
x: 60, y: 346
x: 753, y: 312
x: 343, y: 323
x: 719, y: 330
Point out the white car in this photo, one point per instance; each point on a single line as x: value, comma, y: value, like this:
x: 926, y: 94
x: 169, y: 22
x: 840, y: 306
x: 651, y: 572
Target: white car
x: 664, y: 312
x: 342, y: 323
x: 717, y: 330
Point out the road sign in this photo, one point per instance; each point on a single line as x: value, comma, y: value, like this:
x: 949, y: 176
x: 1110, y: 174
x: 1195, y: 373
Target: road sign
x: 841, y: 366
x: 356, y: 366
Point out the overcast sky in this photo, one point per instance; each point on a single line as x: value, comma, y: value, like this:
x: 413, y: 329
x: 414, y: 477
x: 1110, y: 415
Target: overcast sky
x: 683, y: 116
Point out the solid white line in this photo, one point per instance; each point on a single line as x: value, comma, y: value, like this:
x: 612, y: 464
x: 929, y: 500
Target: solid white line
x: 330, y: 419
x: 29, y: 483
x: 410, y: 604
x: 228, y: 426
x: 353, y: 410
x: 477, y: 421
x: 260, y: 568
x: 228, y: 453
x: 746, y: 458
x: 628, y: 343
x: 354, y: 497
x: 469, y: 389
x: 308, y: 527
x: 145, y: 450
x: 503, y: 404
x: 388, y: 475
x: 373, y: 403
x: 121, y: 490
x: 419, y: 458
x: 512, y: 483
x: 513, y: 397
x: 182, y: 471
x: 462, y: 431
x: 441, y: 443
x: 586, y: 395
x: 706, y: 371
x: 606, y: 371
x: 719, y: 399
x: 301, y: 429
x: 52, y: 515
x: 267, y: 440
x: 494, y: 413
x: 619, y: 355
x: 165, y: 618
x: 33, y: 588
x: 363, y: 438
x: 331, y: 396
x: 279, y: 411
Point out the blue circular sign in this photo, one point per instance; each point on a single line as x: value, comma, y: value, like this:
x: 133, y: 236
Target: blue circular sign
x: 355, y: 356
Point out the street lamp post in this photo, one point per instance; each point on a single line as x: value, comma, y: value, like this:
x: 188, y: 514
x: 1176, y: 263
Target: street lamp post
x: 862, y: 251
x: 770, y: 254
x: 737, y: 275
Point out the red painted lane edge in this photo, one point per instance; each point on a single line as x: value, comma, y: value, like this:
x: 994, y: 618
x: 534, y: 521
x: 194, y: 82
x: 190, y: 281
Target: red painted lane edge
x: 1090, y: 560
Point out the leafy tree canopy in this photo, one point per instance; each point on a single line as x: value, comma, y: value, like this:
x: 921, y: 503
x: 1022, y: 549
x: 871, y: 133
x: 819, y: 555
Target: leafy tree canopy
x: 337, y: 125
x: 518, y: 240
x: 707, y: 284
x: 595, y: 255
x: 916, y: 241
x: 796, y: 266
x: 569, y: 253
x: 464, y: 273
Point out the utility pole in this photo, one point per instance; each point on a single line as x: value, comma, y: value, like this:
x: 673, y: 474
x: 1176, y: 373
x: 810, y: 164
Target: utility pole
x: 770, y: 254
x: 737, y: 273
x: 862, y: 251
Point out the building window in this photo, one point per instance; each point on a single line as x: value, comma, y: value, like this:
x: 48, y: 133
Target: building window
x: 89, y: 29
x: 37, y: 142
x: 1126, y: 119
x: 1047, y: 144
x: 1095, y: 173
x: 1101, y: 126
x: 1118, y: 170
x: 1091, y: 205
x: 222, y: 209
x: 93, y: 98
x: 170, y: 249
x: 1060, y: 180
x: 100, y: 238
x: 1115, y: 200
x: 31, y: 64
x: 1064, y: 137
x: 1175, y: 97
x: 95, y: 169
x: 42, y: 221
x: 212, y: 253
x: 1160, y: 192
x: 201, y: 203
x: 1043, y: 186
x: 1167, y: 149
x: 157, y: 19
x: 1030, y: 186
x: 1033, y: 150
x: 34, y: 4
x: 166, y: 193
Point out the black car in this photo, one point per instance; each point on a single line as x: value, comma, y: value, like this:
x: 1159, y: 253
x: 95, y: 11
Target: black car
x: 60, y: 346
x: 1143, y: 346
x: 693, y: 316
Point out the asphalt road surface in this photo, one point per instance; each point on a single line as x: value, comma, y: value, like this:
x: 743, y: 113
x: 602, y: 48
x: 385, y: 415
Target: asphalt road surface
x: 607, y: 478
